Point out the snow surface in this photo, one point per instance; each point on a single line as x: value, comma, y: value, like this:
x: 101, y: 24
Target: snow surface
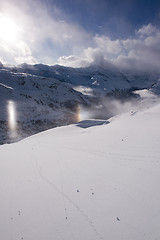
x: 91, y: 181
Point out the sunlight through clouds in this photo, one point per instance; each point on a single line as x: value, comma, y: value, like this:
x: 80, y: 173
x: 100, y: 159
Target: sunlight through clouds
x: 46, y: 34
x: 8, y: 30
x: 13, y: 48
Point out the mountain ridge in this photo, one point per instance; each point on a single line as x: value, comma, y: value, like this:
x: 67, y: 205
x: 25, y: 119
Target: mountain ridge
x: 49, y: 96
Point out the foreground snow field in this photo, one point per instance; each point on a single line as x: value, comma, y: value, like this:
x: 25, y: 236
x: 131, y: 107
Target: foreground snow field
x: 88, y: 181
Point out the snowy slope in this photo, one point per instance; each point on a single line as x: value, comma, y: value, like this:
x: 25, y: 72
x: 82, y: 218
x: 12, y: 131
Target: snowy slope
x: 92, y: 180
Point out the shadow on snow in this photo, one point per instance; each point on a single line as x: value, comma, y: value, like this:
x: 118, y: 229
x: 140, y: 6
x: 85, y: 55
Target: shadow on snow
x: 91, y: 123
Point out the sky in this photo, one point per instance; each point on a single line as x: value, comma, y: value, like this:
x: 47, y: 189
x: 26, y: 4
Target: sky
x: 76, y: 33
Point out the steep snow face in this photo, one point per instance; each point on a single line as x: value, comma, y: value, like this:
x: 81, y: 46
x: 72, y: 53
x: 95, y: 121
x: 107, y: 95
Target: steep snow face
x: 92, y: 180
x: 35, y: 101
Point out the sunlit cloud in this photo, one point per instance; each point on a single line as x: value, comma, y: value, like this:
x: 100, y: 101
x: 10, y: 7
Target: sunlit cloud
x: 8, y: 29
x: 72, y: 61
x: 45, y: 34
x: 13, y: 45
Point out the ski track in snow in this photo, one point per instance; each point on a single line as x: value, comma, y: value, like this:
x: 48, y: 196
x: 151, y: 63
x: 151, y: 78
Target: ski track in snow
x: 116, y: 158
x: 38, y: 175
x: 66, y: 197
x: 119, y: 158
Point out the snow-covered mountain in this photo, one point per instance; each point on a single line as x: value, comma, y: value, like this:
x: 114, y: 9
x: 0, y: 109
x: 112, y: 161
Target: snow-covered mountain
x: 44, y: 96
x: 41, y: 96
x: 36, y: 103
x: 100, y: 78
x: 92, y: 180
x: 141, y: 79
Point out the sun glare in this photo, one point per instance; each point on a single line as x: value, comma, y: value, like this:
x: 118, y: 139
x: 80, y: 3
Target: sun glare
x: 12, y: 119
x: 8, y: 29
x: 82, y: 114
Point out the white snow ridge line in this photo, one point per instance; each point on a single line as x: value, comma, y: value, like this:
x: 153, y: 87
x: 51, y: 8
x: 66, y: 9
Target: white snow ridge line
x: 5, y: 86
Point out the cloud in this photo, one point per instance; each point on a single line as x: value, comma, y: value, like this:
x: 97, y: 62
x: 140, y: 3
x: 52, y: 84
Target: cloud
x: 146, y: 30
x: 45, y: 33
x: 16, y: 53
x: 72, y: 61
x: 141, y: 52
x: 112, y: 47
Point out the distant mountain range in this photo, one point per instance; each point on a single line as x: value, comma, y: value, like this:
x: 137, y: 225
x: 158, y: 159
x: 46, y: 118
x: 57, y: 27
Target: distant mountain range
x: 41, y: 96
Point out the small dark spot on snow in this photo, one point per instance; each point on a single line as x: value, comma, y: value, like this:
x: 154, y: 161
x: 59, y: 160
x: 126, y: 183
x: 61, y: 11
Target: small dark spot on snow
x: 66, y: 218
x: 77, y: 190
x: 118, y: 219
x: 92, y: 193
x: 122, y: 140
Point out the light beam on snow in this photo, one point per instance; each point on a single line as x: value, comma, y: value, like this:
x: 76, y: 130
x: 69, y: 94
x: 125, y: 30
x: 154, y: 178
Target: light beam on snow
x: 82, y: 114
x: 12, y: 119
x: 78, y: 119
